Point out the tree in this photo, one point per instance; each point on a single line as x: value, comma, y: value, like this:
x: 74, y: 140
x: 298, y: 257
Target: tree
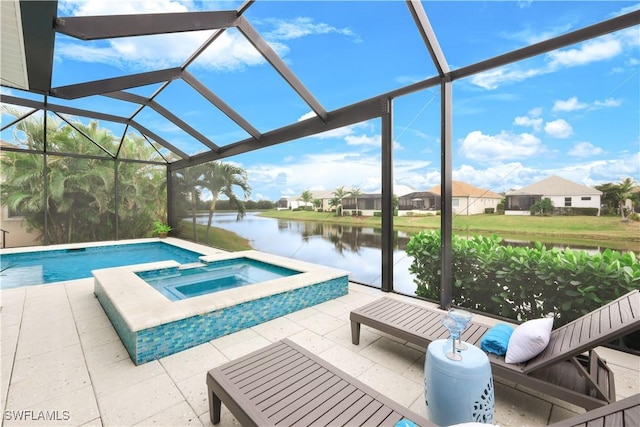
x: 340, y: 194
x: 616, y: 195
x: 224, y: 179
x: 72, y: 198
x: 355, y: 193
x: 306, y: 197
x: 542, y: 207
x: 189, y: 182
x: 336, y: 203
x: 624, y: 194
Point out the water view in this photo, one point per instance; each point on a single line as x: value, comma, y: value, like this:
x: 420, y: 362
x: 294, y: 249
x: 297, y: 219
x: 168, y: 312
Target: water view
x: 351, y: 248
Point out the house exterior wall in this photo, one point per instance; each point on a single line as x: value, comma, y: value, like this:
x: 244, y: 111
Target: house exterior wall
x: 473, y: 205
x: 17, y: 235
x: 576, y: 201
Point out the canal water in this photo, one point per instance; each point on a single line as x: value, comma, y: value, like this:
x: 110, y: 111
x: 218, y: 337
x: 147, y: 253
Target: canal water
x: 350, y: 248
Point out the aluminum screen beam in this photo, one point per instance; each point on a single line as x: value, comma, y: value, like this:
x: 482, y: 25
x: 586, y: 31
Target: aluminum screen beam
x: 272, y: 57
x: 98, y: 87
x: 144, y: 24
x: 605, y: 27
x: 159, y: 139
x: 386, y: 174
x: 355, y: 113
x: 124, y: 96
x: 37, y: 17
x: 446, y: 193
x: 428, y: 36
x: 220, y: 104
x: 93, y: 115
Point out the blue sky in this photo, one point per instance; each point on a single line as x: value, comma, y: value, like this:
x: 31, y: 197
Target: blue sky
x: 574, y: 112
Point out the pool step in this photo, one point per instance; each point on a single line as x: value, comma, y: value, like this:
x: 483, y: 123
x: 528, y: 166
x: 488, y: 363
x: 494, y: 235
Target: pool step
x: 191, y: 265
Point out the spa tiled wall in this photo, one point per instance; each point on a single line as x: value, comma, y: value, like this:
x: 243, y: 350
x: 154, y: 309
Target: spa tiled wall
x: 163, y: 340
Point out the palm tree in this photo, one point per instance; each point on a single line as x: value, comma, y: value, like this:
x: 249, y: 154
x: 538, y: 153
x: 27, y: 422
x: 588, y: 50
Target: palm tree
x: 335, y: 203
x: 223, y: 179
x: 340, y: 194
x: 355, y: 193
x: 623, y: 194
x: 189, y: 182
x: 306, y: 197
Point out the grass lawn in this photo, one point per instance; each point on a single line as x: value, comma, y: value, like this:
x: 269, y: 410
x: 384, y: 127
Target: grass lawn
x: 579, y: 227
x: 218, y: 237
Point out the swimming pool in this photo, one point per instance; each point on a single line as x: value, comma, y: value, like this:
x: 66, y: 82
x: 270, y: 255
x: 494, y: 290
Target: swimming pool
x: 180, y: 283
x: 48, y: 265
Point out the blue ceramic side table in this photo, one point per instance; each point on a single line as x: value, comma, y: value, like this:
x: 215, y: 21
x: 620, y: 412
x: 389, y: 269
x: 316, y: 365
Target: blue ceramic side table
x: 458, y: 391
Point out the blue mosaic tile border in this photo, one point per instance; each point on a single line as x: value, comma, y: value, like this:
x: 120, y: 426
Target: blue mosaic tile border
x: 126, y: 336
x: 163, y: 340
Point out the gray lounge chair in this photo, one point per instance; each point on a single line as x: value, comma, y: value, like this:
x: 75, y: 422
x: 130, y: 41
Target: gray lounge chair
x: 624, y: 413
x: 568, y: 368
x: 284, y: 384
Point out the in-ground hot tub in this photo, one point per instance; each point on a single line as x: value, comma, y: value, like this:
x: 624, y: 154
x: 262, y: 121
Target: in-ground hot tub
x: 152, y: 326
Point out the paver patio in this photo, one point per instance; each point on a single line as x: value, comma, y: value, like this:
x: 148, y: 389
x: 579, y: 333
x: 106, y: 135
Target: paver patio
x: 62, y: 360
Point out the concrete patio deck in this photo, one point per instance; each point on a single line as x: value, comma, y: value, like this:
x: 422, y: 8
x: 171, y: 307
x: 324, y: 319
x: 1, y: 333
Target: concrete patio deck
x: 64, y: 364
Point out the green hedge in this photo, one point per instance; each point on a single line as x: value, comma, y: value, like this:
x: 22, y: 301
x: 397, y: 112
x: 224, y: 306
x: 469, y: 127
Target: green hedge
x: 566, y: 211
x: 523, y: 283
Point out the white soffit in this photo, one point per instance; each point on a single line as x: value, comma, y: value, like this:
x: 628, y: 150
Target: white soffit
x: 13, y: 65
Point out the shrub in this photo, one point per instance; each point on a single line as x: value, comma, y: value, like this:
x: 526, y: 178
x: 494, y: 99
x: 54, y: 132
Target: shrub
x: 489, y: 210
x: 523, y: 283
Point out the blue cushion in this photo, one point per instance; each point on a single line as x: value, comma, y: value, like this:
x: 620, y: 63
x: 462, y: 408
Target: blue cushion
x: 405, y: 423
x: 496, y: 340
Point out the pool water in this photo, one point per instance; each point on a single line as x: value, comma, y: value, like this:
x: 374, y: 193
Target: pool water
x: 39, y: 267
x: 180, y: 283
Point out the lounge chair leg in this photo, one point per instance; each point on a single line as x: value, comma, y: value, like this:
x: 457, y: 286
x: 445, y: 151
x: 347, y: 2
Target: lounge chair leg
x: 214, y: 407
x: 355, y: 332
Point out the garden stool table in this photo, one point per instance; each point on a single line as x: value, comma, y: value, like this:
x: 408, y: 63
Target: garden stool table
x: 458, y: 391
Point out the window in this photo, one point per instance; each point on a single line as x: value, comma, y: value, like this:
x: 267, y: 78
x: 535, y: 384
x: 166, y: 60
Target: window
x: 567, y: 201
x: 585, y: 198
x: 455, y: 203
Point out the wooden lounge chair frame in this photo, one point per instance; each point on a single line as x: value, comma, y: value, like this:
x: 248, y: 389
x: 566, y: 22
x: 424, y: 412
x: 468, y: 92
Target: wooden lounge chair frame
x: 624, y: 413
x: 284, y: 384
x: 568, y: 368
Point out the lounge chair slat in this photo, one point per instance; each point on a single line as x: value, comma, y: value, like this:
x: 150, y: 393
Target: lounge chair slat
x: 329, y: 417
x: 330, y: 402
x: 277, y: 381
x: 346, y: 417
x: 288, y: 397
x: 624, y: 413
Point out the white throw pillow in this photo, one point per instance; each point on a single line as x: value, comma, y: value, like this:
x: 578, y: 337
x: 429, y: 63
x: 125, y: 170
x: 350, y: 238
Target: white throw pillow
x: 528, y: 340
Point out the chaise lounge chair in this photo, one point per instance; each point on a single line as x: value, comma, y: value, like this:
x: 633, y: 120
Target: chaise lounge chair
x: 284, y: 384
x: 624, y: 413
x: 568, y: 369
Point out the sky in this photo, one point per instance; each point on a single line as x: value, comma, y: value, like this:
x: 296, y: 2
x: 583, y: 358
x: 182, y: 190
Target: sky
x: 573, y: 112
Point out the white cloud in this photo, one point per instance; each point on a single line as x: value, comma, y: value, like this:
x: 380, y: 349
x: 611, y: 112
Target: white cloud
x: 609, y: 102
x: 497, y: 178
x: 373, y: 140
x: 492, y: 79
x: 535, y: 123
x: 570, y: 104
x: 504, y: 146
x: 301, y: 27
x: 558, y: 129
x: 590, y: 51
x: 584, y: 149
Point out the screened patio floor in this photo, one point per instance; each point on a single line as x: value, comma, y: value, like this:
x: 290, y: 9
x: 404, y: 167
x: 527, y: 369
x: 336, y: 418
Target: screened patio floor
x: 61, y: 354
